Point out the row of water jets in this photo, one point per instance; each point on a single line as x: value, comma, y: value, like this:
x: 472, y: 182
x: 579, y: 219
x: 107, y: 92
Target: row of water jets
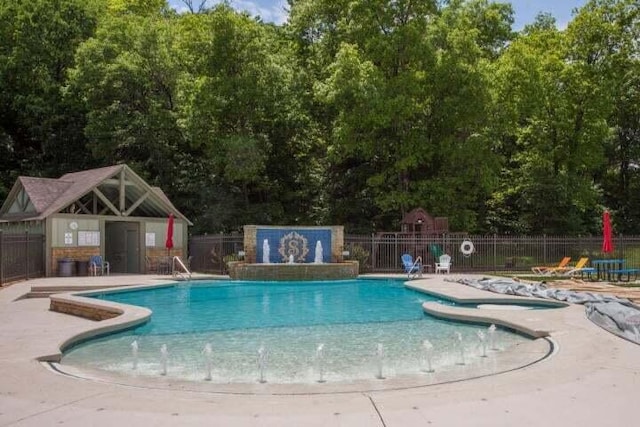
x: 427, y: 349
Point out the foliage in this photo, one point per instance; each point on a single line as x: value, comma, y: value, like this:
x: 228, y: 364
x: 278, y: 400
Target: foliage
x: 40, y: 133
x: 361, y: 255
x: 353, y: 112
x: 230, y: 258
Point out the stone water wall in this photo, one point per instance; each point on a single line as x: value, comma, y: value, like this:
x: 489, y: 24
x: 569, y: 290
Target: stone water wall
x: 299, y: 235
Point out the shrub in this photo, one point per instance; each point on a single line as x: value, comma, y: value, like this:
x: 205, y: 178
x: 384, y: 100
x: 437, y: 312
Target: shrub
x: 229, y: 258
x: 361, y: 255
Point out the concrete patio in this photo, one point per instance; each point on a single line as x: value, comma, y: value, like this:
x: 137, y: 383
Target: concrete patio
x: 591, y: 379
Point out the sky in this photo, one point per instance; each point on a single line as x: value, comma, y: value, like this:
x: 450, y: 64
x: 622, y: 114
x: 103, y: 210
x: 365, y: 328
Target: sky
x: 525, y: 10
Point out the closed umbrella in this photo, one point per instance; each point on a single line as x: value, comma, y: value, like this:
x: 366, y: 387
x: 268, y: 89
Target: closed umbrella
x: 169, y: 243
x: 607, y: 234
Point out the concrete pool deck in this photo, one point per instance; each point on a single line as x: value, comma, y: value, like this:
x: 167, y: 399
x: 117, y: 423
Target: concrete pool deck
x: 592, y: 379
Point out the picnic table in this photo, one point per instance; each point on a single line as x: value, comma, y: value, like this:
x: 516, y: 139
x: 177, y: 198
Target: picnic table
x: 607, y: 267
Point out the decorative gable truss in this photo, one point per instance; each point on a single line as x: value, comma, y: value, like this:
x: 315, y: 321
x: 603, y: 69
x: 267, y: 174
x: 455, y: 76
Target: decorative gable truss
x: 124, y: 194
x: 22, y: 204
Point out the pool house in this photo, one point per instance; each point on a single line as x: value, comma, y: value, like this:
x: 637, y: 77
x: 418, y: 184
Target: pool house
x: 108, y: 211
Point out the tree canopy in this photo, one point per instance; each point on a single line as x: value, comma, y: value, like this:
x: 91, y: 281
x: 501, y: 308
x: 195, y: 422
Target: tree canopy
x: 352, y: 112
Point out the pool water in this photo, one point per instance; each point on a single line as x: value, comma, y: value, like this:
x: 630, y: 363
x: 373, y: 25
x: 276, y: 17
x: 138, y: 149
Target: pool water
x: 289, y: 321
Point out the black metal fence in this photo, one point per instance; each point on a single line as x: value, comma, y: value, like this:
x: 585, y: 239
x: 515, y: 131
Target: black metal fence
x: 208, y: 254
x: 491, y: 253
x: 21, y: 256
x: 488, y: 253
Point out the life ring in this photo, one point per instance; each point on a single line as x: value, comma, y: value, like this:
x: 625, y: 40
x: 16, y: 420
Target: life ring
x: 467, y: 248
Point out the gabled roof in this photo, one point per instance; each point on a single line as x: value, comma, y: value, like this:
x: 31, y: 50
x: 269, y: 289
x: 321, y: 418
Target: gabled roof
x: 79, y: 184
x: 50, y: 196
x: 43, y: 191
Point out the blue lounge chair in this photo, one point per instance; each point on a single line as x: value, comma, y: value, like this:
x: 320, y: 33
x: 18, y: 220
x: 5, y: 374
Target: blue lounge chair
x: 411, y: 267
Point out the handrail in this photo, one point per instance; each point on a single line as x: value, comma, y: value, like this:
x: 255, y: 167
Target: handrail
x: 174, y: 271
x: 416, y: 269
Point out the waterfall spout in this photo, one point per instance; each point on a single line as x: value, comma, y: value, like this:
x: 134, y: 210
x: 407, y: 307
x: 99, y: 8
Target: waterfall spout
x: 319, y: 253
x: 265, y: 251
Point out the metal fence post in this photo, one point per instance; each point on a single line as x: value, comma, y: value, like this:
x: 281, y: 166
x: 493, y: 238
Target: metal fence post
x: 26, y: 254
x: 43, y: 255
x: 1, y: 257
x: 495, y: 253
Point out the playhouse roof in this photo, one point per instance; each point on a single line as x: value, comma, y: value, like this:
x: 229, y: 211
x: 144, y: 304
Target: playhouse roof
x: 417, y: 215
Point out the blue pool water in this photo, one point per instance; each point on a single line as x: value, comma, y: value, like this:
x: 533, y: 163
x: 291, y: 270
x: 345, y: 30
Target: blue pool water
x: 289, y: 320
x: 218, y: 306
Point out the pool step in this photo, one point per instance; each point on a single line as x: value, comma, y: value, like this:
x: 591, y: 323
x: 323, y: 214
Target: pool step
x: 47, y: 291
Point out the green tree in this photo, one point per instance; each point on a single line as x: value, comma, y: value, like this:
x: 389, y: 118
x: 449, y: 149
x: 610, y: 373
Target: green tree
x: 239, y: 108
x: 404, y: 96
x: 40, y: 133
x: 126, y: 78
x: 604, y: 39
x: 552, y: 116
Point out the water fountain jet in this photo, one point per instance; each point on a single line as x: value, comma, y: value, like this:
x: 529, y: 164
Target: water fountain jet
x: 427, y: 349
x: 483, y: 343
x: 320, y: 362
x: 492, y: 337
x: 207, y: 351
x: 164, y: 355
x: 134, y: 353
x: 262, y: 362
x: 460, y: 347
x: 380, y: 359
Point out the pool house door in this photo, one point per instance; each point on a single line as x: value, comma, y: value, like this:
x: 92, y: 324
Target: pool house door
x: 122, y: 246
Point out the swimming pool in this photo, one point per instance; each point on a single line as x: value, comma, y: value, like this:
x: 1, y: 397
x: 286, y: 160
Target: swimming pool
x: 305, y: 331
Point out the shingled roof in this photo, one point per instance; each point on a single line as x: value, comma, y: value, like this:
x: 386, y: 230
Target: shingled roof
x: 50, y: 196
x: 43, y: 191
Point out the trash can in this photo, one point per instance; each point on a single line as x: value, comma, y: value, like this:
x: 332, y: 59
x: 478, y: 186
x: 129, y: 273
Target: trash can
x: 82, y: 268
x: 65, y: 267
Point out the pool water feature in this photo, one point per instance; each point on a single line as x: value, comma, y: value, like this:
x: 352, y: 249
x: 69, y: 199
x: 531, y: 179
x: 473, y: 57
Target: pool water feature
x: 284, y: 332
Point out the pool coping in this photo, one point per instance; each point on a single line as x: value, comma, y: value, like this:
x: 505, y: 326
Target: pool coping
x: 525, y: 321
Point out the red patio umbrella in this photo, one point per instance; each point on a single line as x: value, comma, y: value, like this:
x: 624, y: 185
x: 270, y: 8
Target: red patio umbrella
x: 169, y: 243
x: 607, y: 235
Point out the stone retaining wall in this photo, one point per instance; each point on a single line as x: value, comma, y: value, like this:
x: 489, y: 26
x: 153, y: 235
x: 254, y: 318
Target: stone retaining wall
x: 81, y: 310
x: 239, y: 270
